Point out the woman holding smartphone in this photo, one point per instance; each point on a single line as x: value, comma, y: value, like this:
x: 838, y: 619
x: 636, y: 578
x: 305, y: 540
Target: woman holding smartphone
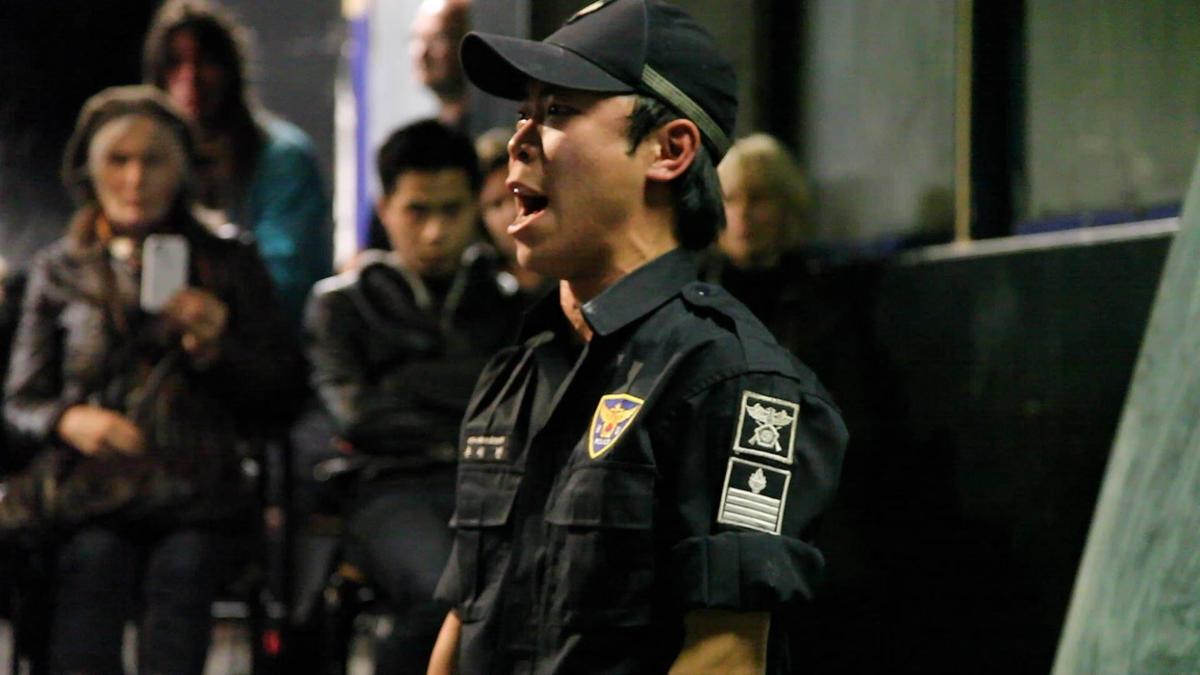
x: 135, y: 415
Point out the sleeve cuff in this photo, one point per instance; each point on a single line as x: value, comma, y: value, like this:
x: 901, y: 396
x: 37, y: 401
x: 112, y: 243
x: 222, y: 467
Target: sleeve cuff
x: 47, y: 434
x: 746, y: 571
x: 449, y: 588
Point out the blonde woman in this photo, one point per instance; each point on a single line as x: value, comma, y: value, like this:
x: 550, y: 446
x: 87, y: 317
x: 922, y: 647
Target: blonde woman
x: 136, y: 416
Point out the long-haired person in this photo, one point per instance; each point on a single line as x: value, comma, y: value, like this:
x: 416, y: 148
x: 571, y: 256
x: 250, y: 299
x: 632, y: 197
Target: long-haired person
x: 257, y: 168
x: 136, y: 414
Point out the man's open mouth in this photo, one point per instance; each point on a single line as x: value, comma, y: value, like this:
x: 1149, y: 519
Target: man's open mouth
x: 529, y: 201
x: 533, y: 205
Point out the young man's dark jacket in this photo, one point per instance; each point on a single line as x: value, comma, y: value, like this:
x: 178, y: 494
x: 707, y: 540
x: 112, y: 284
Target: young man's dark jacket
x: 677, y: 461
x: 394, y: 359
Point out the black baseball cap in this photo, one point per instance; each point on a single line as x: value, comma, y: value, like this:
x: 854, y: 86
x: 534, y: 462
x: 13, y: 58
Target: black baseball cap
x: 618, y: 47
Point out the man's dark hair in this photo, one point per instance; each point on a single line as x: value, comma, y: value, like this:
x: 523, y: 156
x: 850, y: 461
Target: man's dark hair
x: 427, y: 145
x: 224, y: 41
x: 696, y: 195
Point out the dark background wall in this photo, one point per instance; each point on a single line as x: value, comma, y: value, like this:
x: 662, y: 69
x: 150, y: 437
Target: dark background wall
x: 1113, y: 105
x: 982, y: 392
x: 53, y: 55
x: 877, y: 107
x: 294, y: 63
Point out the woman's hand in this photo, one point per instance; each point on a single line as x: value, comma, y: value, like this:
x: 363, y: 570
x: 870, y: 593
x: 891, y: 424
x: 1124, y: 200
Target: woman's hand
x: 202, y: 318
x: 94, y: 430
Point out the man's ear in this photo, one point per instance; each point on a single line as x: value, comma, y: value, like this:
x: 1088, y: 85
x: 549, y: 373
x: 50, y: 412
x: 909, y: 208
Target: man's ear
x: 676, y: 144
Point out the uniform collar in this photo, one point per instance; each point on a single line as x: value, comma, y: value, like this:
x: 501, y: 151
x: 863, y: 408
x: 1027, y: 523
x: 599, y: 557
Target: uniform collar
x: 640, y: 292
x: 631, y: 297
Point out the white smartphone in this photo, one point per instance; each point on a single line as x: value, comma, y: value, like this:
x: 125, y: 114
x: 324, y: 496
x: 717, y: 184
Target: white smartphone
x: 164, y: 269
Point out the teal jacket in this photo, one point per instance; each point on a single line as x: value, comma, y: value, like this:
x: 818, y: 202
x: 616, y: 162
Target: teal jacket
x: 287, y: 209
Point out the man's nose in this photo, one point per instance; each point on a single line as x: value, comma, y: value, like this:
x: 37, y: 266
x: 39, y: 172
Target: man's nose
x: 434, y: 229
x: 523, y: 144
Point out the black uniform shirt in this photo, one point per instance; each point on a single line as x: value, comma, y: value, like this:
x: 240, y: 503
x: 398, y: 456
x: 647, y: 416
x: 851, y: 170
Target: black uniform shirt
x: 676, y: 461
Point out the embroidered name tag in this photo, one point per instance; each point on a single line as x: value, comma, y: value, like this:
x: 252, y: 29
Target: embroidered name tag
x: 485, y: 448
x: 613, y: 416
x: 754, y: 496
x: 766, y: 427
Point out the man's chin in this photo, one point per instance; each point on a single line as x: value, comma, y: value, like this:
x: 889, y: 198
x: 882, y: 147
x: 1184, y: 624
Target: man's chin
x: 434, y: 269
x: 546, y: 264
x: 525, y: 258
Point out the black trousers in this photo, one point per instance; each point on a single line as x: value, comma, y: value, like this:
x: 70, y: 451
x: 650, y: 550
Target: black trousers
x: 398, y: 533
x: 106, y: 577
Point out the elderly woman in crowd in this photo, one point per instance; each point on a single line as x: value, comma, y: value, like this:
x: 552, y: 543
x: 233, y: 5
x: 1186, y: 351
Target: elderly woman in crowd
x: 763, y: 247
x: 768, y: 258
x: 137, y: 416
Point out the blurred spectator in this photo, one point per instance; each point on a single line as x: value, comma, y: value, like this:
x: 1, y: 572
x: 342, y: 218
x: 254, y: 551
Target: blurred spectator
x: 498, y: 207
x: 765, y: 253
x: 138, y: 417
x: 815, y: 304
x: 12, y: 287
x: 437, y: 29
x: 256, y: 167
x: 396, y: 346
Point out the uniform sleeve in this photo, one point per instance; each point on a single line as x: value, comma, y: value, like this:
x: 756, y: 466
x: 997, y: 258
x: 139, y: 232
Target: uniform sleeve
x: 751, y: 462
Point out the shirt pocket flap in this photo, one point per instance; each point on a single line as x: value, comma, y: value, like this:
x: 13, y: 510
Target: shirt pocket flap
x: 484, y: 497
x: 610, y: 495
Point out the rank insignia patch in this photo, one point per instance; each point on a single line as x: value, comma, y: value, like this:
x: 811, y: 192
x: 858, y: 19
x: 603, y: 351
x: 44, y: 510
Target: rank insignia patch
x: 754, y: 496
x: 766, y: 427
x: 613, y: 416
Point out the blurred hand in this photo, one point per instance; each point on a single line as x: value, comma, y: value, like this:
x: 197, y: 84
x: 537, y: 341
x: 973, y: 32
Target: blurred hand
x: 202, y: 318
x: 444, y: 659
x: 94, y: 431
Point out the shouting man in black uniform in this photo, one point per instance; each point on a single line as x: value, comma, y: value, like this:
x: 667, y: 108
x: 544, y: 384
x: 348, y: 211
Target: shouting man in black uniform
x: 638, y: 478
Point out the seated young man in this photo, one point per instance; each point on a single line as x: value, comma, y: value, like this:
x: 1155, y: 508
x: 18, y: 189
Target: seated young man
x: 396, y: 346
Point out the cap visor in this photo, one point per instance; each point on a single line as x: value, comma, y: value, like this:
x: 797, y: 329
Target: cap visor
x: 503, y: 66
